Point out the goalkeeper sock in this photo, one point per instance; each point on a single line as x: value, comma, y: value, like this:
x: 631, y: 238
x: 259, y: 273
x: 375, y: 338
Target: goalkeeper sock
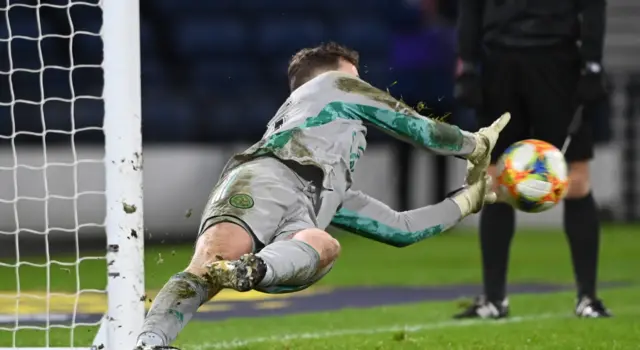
x: 497, y: 226
x: 582, y: 227
x: 290, y: 263
x: 172, y: 309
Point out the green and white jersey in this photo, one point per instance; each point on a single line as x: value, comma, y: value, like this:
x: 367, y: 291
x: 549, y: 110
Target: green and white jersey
x: 324, y: 123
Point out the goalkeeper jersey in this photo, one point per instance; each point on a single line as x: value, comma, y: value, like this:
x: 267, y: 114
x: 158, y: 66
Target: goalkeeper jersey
x: 324, y: 123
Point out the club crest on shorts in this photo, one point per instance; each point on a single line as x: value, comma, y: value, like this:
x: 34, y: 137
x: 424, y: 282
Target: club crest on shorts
x: 241, y: 201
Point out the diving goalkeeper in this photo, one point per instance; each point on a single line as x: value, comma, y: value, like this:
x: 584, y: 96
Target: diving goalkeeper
x: 264, y: 224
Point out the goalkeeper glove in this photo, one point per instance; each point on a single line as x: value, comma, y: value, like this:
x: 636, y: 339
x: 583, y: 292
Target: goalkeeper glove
x: 486, y: 139
x: 472, y: 197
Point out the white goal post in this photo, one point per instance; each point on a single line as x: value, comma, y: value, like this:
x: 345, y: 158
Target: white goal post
x: 25, y: 170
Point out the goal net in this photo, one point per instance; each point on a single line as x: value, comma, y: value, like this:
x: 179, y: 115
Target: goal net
x: 71, y: 234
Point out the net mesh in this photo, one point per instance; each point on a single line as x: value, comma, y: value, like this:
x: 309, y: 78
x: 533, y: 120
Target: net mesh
x: 52, y: 202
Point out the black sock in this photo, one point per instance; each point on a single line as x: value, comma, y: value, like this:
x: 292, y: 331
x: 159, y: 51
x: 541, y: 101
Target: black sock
x: 497, y: 226
x: 582, y: 227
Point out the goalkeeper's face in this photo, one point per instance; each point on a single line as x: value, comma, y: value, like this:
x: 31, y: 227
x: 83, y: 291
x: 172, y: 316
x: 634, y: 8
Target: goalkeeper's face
x: 348, y: 67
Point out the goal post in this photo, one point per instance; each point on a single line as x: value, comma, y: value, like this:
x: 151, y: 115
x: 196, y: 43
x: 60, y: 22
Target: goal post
x: 70, y: 189
x: 123, y: 162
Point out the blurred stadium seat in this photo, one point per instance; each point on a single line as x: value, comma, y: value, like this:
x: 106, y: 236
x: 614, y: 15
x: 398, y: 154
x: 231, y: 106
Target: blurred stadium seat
x: 280, y: 36
x: 206, y: 35
x: 85, y: 18
x: 360, y: 6
x: 153, y: 72
x: 378, y: 73
x: 24, y: 54
x: 25, y: 86
x: 147, y: 37
x: 225, y: 120
x: 209, y: 55
x: 23, y: 21
x: 56, y: 82
x: 369, y: 36
x: 262, y: 108
x: 240, y: 119
x: 6, y: 126
x: 167, y: 117
x: 221, y: 76
x: 194, y: 7
x: 282, y: 8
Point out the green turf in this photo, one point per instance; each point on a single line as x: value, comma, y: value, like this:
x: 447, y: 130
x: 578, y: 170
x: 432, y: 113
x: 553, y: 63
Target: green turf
x: 449, y: 259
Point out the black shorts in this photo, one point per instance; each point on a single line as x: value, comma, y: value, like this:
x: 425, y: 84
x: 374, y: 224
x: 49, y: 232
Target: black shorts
x: 537, y: 87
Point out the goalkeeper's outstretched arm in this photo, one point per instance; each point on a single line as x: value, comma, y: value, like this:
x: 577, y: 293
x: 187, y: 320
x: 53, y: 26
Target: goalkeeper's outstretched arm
x: 360, y: 100
x: 367, y: 217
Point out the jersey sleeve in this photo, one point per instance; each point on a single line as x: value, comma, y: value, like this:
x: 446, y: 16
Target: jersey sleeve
x: 359, y: 100
x: 367, y: 217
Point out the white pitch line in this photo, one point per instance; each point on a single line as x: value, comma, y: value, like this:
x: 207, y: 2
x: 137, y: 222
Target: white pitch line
x: 236, y: 343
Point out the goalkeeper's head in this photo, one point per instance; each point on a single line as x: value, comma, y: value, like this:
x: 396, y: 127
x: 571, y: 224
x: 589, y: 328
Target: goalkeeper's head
x: 309, y: 62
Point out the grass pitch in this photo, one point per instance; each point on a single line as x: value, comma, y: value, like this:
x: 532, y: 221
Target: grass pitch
x: 540, y: 321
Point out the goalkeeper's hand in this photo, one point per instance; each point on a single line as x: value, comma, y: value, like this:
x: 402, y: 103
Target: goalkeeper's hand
x: 486, y: 139
x: 473, y: 196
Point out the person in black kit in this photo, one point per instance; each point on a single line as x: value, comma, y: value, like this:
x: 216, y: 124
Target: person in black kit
x: 539, y: 60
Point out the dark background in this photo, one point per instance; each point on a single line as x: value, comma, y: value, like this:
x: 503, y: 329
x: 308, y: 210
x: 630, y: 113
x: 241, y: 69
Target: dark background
x: 214, y: 71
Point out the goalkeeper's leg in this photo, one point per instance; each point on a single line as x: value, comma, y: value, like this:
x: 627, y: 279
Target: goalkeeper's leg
x: 182, y: 295
x: 292, y: 263
x: 287, y: 265
x: 264, y: 207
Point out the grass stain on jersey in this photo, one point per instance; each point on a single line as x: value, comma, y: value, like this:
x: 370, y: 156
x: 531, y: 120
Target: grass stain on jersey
x: 352, y: 85
x: 401, y: 118
x: 444, y: 134
x: 296, y: 146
